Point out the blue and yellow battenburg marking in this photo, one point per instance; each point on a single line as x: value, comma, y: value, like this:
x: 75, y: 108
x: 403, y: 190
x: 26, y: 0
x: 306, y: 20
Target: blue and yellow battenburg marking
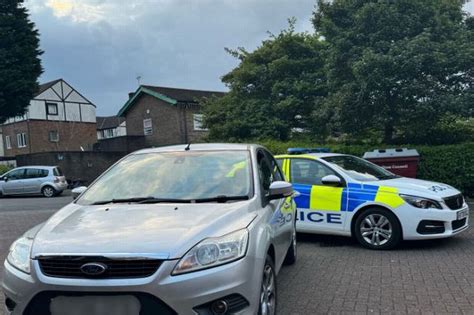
x: 349, y: 198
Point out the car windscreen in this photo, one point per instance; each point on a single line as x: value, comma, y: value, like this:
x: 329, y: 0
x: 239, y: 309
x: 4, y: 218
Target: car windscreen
x: 187, y: 175
x: 359, y: 169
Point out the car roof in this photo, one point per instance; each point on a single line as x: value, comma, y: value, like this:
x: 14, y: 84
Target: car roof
x: 37, y: 166
x: 309, y: 155
x: 200, y: 147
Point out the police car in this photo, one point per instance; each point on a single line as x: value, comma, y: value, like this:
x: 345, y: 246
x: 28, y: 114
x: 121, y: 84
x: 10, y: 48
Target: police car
x: 345, y: 195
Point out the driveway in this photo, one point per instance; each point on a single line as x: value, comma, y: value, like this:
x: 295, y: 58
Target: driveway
x: 333, y: 274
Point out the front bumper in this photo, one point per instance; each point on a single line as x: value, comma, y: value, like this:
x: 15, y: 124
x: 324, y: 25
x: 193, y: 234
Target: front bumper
x: 182, y: 293
x: 444, y: 222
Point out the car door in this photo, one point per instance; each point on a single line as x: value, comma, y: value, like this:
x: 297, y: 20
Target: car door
x: 321, y: 208
x: 282, y: 217
x: 14, y: 182
x: 34, y: 177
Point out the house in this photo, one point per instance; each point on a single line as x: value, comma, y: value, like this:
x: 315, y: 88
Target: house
x: 166, y: 115
x: 58, y: 118
x: 111, y: 127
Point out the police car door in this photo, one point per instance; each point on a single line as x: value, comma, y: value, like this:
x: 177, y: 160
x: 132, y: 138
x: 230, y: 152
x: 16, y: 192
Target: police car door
x: 320, y: 207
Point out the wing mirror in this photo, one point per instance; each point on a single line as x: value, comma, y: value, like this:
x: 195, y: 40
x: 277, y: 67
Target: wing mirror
x: 4, y: 178
x: 76, y: 192
x: 280, y: 189
x: 331, y: 180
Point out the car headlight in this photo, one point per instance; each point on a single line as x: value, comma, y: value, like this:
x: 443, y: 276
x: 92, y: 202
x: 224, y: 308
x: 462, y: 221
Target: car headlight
x: 420, y: 202
x: 19, y: 255
x: 213, y: 252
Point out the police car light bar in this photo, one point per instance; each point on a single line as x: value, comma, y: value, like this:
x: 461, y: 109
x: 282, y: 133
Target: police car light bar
x: 307, y: 150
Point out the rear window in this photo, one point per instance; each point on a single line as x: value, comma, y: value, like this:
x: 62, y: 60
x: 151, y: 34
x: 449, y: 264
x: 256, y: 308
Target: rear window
x: 36, y: 173
x: 58, y: 171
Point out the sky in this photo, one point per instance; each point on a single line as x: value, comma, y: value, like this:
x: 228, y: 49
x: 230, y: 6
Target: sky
x: 100, y: 47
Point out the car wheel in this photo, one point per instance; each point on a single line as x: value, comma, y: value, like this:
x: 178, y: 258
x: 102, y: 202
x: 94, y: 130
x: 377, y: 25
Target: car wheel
x: 48, y: 191
x: 291, y: 254
x: 268, y: 291
x: 378, y: 228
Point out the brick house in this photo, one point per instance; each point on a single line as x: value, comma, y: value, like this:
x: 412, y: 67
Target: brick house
x: 165, y: 115
x: 58, y: 118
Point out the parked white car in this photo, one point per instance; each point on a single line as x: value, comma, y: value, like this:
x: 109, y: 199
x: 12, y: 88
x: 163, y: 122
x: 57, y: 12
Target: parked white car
x: 346, y: 195
x: 48, y: 181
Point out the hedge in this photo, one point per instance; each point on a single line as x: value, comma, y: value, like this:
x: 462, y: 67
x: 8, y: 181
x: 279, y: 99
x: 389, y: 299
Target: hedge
x: 450, y: 164
x: 4, y: 169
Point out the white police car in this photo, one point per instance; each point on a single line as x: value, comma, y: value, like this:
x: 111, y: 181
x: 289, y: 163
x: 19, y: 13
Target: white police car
x: 346, y: 195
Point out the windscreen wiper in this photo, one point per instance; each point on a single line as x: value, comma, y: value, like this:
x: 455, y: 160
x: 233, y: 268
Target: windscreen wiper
x: 222, y: 199
x: 140, y: 200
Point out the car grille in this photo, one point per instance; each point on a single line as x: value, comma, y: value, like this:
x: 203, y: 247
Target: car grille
x: 458, y: 224
x: 454, y: 202
x: 70, y: 267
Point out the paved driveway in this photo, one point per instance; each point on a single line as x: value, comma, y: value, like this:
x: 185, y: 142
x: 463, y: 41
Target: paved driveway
x: 334, y: 275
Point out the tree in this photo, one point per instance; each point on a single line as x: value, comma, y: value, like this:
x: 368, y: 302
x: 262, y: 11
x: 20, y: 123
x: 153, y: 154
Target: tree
x: 396, y: 67
x: 20, y: 65
x: 272, y: 91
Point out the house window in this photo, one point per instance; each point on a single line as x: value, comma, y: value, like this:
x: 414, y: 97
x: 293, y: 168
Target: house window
x: 197, y: 119
x: 8, y: 142
x: 52, y: 108
x: 109, y: 133
x: 53, y: 136
x: 147, y: 127
x: 21, y: 140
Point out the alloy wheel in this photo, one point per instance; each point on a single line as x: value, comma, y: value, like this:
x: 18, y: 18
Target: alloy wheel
x: 267, y: 295
x: 48, y: 192
x: 376, y: 229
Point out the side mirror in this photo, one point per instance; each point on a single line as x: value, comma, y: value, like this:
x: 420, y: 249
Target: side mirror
x: 280, y: 189
x: 331, y: 180
x: 77, y: 191
x: 4, y: 178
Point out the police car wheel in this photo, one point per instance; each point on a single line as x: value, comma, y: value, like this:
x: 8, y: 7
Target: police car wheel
x: 291, y: 254
x: 377, y: 228
x: 268, y: 292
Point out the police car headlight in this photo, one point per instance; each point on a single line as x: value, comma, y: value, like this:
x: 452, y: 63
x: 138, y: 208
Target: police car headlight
x: 19, y: 255
x: 213, y: 252
x: 420, y: 202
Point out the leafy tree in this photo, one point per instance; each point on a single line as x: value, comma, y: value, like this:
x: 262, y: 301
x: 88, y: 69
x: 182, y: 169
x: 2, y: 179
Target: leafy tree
x: 20, y: 65
x: 396, y: 67
x: 273, y: 91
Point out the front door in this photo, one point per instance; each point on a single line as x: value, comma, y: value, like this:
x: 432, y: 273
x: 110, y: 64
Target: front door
x: 321, y: 208
x: 14, y: 182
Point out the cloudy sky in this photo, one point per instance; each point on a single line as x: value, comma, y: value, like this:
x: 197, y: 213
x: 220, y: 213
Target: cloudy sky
x: 102, y: 46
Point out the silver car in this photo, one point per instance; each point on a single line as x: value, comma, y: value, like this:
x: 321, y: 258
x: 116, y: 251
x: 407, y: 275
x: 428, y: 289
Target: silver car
x: 199, y: 229
x: 46, y: 180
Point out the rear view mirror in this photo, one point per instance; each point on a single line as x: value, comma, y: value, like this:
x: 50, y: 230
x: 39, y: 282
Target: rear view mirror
x: 331, y: 180
x: 77, y: 191
x: 280, y: 189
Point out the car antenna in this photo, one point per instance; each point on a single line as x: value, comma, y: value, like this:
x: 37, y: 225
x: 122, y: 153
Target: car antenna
x: 187, y: 147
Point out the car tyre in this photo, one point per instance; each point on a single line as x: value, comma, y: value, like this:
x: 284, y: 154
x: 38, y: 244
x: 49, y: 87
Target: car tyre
x: 291, y: 254
x: 48, y: 191
x: 378, y: 228
x: 268, y: 291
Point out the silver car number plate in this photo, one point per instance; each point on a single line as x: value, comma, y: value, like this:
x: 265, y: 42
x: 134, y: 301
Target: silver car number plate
x: 462, y: 214
x: 95, y: 305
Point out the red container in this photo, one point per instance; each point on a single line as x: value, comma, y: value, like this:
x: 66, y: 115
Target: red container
x: 403, y: 162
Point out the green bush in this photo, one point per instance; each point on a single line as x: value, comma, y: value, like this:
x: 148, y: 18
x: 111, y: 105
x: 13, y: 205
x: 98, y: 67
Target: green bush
x: 449, y: 164
x: 4, y: 169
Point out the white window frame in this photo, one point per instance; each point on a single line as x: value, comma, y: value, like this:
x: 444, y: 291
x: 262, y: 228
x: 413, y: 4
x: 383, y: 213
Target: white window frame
x: 53, y: 139
x: 147, y: 126
x: 52, y: 112
x: 21, y: 140
x: 197, y: 122
x: 8, y: 142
